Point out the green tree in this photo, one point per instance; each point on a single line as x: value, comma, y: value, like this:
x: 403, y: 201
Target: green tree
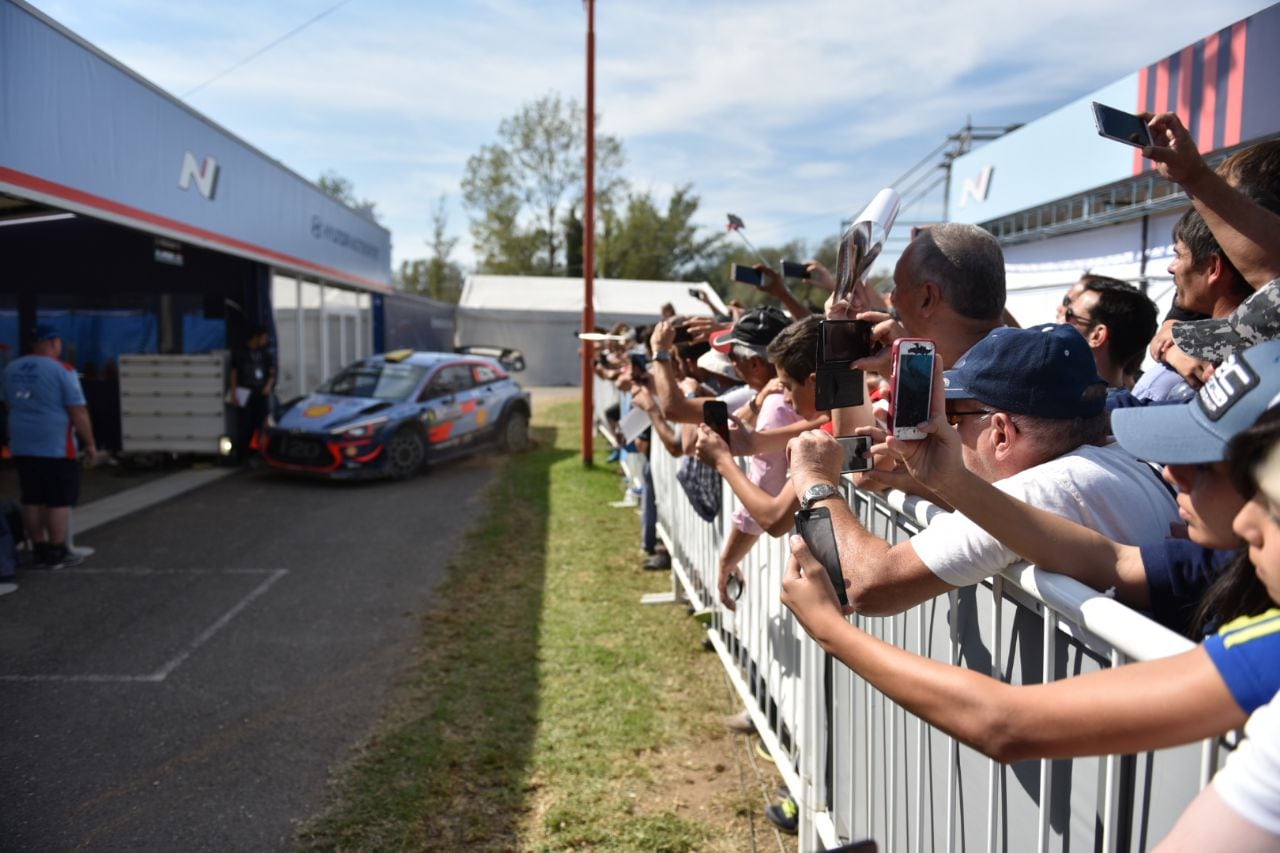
x: 435, y: 276
x: 644, y: 242
x: 520, y: 188
x: 334, y: 184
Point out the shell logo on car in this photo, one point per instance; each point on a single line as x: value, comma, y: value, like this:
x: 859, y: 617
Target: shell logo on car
x: 318, y: 411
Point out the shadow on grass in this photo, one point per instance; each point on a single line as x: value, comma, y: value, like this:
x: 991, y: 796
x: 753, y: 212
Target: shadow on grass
x: 448, y: 767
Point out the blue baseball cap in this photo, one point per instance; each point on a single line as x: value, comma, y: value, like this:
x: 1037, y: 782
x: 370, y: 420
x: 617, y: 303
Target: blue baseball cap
x: 1242, y: 387
x: 45, y: 332
x: 1045, y: 371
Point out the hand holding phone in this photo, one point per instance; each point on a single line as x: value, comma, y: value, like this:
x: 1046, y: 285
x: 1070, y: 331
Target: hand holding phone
x: 715, y: 414
x: 840, y: 342
x: 814, y: 527
x: 857, y: 453
x: 1121, y: 126
x: 912, y: 381
x: 746, y: 275
x: 791, y: 269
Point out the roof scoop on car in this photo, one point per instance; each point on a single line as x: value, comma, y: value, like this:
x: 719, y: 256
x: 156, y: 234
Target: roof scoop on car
x: 376, y: 407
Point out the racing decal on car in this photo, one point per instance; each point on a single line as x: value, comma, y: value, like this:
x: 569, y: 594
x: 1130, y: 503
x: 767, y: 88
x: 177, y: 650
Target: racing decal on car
x: 469, y: 406
x: 318, y: 411
x: 440, y: 432
x: 482, y: 417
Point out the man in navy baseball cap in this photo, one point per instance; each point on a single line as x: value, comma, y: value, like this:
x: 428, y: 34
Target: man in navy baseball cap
x: 1047, y: 371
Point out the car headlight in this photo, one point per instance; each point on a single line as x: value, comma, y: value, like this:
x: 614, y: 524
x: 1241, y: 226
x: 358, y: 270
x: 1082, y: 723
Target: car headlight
x: 364, y: 429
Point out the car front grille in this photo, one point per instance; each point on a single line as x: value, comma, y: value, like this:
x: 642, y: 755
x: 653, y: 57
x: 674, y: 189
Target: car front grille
x: 299, y: 450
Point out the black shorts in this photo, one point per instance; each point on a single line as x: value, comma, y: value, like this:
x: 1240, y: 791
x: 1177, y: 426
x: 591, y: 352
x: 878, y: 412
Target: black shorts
x: 48, y: 481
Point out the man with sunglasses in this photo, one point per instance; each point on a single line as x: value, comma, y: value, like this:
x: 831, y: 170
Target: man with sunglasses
x: 1029, y: 407
x: 1117, y: 320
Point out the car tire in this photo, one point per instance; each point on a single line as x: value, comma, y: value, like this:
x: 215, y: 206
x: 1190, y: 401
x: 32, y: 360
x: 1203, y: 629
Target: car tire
x: 406, y: 453
x: 514, y: 437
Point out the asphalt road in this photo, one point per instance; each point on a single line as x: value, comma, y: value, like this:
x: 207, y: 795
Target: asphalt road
x: 190, y: 686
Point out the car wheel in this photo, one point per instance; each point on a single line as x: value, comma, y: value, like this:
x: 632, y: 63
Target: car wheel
x: 406, y: 451
x: 515, y: 432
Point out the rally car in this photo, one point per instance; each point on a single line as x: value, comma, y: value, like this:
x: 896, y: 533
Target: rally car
x: 388, y: 415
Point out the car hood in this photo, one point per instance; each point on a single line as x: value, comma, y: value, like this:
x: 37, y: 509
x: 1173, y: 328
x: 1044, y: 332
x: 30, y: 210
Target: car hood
x: 324, y: 412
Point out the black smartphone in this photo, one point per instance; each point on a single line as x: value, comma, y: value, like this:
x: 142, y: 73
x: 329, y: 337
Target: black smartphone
x: 715, y: 414
x: 857, y: 453
x: 639, y: 364
x: 682, y: 335
x: 1121, y: 126
x: 912, y: 386
x: 697, y: 294
x: 746, y: 275
x: 840, y: 342
x: 791, y: 269
x: 844, y: 341
x: 814, y: 527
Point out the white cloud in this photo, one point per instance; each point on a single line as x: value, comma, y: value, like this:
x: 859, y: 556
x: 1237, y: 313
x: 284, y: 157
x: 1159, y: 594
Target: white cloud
x: 791, y: 115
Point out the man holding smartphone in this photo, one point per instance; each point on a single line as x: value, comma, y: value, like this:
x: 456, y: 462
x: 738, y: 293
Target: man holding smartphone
x: 1029, y: 407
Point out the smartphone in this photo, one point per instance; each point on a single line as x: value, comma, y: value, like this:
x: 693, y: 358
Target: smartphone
x: 912, y: 381
x: 857, y: 453
x: 814, y: 527
x: 639, y: 364
x: 696, y: 294
x: 683, y: 335
x: 844, y: 341
x: 790, y: 269
x: 1121, y: 126
x: 839, y: 343
x: 715, y: 414
x: 746, y: 275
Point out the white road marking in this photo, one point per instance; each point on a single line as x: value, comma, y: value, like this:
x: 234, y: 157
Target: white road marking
x: 163, y: 672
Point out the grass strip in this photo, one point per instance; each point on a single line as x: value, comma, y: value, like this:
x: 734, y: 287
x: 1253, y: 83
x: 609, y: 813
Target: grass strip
x: 547, y: 709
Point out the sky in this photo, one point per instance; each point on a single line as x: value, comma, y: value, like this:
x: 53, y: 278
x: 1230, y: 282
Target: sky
x: 790, y: 114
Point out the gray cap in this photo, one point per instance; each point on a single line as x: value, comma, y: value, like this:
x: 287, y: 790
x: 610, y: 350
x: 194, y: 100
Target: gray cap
x: 1243, y: 387
x: 1255, y: 320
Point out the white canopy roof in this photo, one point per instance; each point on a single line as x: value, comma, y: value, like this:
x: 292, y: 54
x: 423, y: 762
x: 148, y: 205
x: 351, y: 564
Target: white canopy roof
x: 564, y: 295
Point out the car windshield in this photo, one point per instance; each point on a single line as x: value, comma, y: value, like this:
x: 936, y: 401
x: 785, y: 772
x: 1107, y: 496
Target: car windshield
x: 377, y: 379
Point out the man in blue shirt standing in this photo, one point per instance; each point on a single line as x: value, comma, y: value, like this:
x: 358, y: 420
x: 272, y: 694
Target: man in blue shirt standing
x: 46, y: 411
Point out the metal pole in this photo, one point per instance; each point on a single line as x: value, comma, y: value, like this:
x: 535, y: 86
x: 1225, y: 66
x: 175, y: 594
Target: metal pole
x: 589, y: 246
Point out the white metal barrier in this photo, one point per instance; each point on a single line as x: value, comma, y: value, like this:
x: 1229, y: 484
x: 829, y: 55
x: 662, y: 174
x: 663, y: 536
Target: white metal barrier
x: 860, y: 766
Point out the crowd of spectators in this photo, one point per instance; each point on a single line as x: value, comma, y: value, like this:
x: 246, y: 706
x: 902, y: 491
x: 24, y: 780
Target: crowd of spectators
x: 1049, y: 444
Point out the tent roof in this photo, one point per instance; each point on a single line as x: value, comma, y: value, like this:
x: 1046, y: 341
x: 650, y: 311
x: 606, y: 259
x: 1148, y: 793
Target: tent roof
x: 564, y: 295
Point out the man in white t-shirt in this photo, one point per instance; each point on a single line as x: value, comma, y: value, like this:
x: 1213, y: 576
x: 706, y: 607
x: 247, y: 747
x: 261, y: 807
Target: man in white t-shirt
x: 1028, y: 404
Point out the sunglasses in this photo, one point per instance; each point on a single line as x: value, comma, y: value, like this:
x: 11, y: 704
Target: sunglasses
x: 1072, y: 317
x: 953, y: 418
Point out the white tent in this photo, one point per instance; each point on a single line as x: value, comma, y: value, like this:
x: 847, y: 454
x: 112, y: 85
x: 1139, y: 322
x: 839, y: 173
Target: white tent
x: 542, y: 316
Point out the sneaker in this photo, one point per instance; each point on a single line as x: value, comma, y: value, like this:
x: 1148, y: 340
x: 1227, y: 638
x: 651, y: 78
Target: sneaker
x: 785, y: 815
x: 658, y: 562
x: 741, y: 723
x: 62, y: 557
x: 39, y: 554
x: 614, y: 455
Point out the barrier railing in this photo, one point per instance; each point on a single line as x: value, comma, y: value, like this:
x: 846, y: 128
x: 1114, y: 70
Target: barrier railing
x: 860, y: 766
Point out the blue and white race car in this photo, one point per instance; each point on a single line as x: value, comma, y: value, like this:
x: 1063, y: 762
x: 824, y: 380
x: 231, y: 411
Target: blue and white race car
x: 388, y: 415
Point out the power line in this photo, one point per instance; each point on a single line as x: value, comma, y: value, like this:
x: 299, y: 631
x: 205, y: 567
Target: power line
x: 262, y: 50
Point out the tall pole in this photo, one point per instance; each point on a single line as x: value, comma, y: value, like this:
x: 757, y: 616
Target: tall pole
x: 589, y: 247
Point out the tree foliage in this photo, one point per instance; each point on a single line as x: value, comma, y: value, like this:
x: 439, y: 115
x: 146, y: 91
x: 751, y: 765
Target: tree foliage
x: 435, y: 276
x: 644, y: 242
x: 339, y: 187
x: 521, y: 188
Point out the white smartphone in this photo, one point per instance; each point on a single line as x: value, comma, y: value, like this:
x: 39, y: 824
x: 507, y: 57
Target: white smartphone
x: 912, y: 385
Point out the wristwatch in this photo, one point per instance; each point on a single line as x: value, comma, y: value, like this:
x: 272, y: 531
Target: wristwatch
x: 819, y: 492
x: 662, y: 355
